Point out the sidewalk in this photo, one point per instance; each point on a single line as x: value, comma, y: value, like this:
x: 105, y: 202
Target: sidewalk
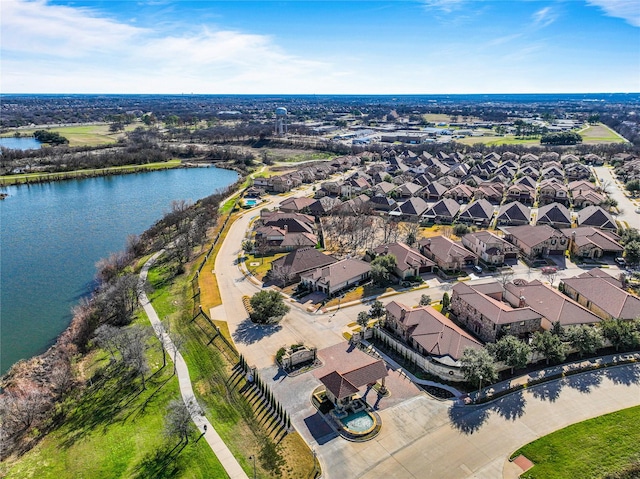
x: 220, y: 449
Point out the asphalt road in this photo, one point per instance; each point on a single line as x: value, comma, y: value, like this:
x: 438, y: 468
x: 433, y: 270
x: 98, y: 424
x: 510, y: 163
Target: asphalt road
x: 615, y: 191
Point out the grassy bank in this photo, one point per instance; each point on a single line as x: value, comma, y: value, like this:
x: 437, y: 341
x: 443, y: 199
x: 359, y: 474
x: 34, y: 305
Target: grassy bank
x: 8, y: 180
x: 115, y: 429
x: 593, y: 449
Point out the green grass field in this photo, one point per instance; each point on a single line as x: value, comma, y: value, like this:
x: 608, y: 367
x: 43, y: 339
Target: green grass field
x: 600, y: 133
x: 81, y: 135
x: 593, y: 449
x: 7, y: 180
x: 115, y: 430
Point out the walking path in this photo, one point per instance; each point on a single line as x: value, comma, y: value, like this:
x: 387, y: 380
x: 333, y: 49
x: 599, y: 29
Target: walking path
x: 220, y: 449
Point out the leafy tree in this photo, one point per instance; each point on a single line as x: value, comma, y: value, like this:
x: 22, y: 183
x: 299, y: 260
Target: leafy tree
x: 446, y: 302
x: 425, y: 300
x: 550, y: 346
x: 632, y: 252
x: 478, y: 366
x: 622, y: 334
x: 561, y: 138
x: 377, y: 310
x: 633, y: 185
x: 586, y: 339
x: 363, y: 319
x: 460, y: 229
x: 50, y: 137
x: 381, y: 269
x: 267, y: 307
x: 511, y: 351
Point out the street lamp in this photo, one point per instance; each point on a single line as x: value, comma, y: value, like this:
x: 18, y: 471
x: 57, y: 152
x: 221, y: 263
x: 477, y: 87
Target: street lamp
x: 479, y: 388
x: 254, y: 466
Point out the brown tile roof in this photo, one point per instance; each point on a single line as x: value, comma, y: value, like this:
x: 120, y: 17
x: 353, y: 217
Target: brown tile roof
x: 338, y: 385
x: 552, y: 304
x: 341, y: 271
x: 514, y: 211
x: 366, y: 374
x: 297, y: 204
x: 607, y: 296
x: 437, y: 334
x: 303, y: 259
x: 532, y: 235
x: 406, y: 257
x: 554, y: 213
x: 586, y: 235
x: 445, y: 249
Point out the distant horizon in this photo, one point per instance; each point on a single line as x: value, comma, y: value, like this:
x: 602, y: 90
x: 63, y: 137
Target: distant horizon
x: 325, y: 94
x: 389, y: 47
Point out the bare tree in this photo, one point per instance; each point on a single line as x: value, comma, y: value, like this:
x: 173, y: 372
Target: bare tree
x: 177, y: 420
x: 134, y: 347
x: 504, y: 278
x: 550, y: 275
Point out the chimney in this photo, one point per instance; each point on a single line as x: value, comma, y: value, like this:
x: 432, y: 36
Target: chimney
x: 523, y: 302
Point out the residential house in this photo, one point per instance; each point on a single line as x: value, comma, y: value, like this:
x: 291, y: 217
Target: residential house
x: 481, y: 310
x: 589, y: 242
x: 449, y: 255
x: 548, y: 302
x: 409, y: 262
x: 412, y: 209
x: 491, y: 192
x: 382, y: 203
x: 429, y: 332
x: 332, y: 187
x: 296, y: 205
x: 443, y: 211
x: 552, y: 169
x: 287, y: 269
x: 448, y: 181
x: 536, y: 241
x: 576, y: 171
x: 530, y: 171
x: 338, y: 276
x: 592, y: 159
x: 521, y: 193
x: 584, y: 196
x: 597, y: 217
x: 554, y: 214
x: 603, y: 296
x: 553, y: 190
x: 489, y: 247
x: 324, y: 206
x: 434, y: 191
x: 354, y: 186
x: 527, y: 181
x: 462, y: 193
x: 514, y: 214
x: 407, y: 190
x: 383, y: 188
x: 478, y: 212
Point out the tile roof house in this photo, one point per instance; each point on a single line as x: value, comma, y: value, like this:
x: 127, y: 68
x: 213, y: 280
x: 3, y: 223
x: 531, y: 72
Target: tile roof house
x: 554, y: 214
x: 407, y: 190
x: 536, y: 241
x: 489, y: 247
x: 324, y: 206
x: 462, y: 193
x: 522, y: 193
x: 589, y: 242
x: 527, y: 181
x: 411, y: 209
x: 296, y: 205
x: 553, y: 190
x: 382, y: 203
x: 478, y: 212
x: 288, y: 269
x: 513, y: 214
x: 383, y: 188
x: 597, y: 217
x: 602, y: 296
x: 337, y: 276
x: 429, y: 332
x: 550, y: 303
x: 434, y: 191
x: 483, y: 313
x: 491, y: 192
x: 576, y: 171
x: 449, y: 255
x: 409, y: 262
x: 442, y: 211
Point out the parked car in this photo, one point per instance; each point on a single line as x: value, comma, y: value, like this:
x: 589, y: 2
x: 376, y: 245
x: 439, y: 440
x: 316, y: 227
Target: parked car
x: 620, y: 261
x: 477, y: 269
x: 549, y: 269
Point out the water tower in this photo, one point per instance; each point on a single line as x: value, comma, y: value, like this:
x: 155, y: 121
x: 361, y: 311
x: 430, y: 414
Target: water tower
x: 281, y: 121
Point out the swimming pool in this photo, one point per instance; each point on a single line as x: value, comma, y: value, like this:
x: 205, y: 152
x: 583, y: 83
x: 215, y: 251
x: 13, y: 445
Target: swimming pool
x: 360, y: 422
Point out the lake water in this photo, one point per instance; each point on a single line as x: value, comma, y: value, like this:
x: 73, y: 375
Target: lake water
x: 52, y: 234
x: 20, y: 143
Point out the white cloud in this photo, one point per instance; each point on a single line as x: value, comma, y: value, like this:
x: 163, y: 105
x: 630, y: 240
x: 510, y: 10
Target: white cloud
x: 445, y: 5
x: 628, y: 10
x: 544, y: 17
x: 49, y: 48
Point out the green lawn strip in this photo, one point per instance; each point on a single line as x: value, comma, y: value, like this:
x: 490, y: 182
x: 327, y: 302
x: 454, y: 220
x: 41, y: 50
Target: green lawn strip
x: 590, y: 449
x: 7, y: 180
x: 79, y: 135
x: 117, y: 430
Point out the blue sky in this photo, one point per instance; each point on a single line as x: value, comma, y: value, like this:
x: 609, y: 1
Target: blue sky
x: 316, y: 47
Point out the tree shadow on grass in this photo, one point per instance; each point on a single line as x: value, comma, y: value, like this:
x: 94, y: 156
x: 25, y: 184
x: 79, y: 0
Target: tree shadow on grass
x: 584, y: 382
x: 161, y: 463
x: 549, y: 391
x: 468, y: 420
x: 248, y: 332
x: 628, y: 375
x: 510, y: 406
